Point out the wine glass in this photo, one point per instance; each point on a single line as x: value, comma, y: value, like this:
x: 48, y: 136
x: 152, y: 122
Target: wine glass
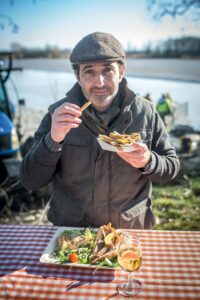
x: 130, y: 259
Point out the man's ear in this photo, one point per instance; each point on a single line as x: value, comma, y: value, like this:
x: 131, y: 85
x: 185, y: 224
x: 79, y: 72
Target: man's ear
x: 121, y: 72
x: 76, y: 75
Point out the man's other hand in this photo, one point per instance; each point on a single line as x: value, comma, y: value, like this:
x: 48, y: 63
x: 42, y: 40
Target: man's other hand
x: 139, y: 158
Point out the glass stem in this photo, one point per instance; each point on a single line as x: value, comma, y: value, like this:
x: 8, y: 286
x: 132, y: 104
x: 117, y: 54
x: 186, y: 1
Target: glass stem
x: 130, y: 281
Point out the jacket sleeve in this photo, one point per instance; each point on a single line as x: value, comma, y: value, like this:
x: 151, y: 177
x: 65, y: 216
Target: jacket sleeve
x: 39, y: 164
x: 164, y: 159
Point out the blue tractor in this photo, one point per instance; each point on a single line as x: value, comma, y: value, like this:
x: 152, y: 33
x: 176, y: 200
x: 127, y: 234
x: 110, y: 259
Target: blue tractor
x: 9, y: 135
x: 14, y: 197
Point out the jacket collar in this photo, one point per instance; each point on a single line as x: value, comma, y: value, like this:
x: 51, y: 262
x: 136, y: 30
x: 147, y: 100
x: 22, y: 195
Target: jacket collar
x: 126, y: 116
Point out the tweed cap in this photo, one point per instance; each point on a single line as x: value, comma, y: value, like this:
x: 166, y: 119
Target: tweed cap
x: 97, y: 46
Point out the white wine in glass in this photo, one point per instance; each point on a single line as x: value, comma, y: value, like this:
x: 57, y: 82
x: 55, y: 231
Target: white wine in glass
x: 130, y: 259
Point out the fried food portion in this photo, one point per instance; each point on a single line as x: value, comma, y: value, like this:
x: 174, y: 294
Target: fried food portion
x: 85, y: 106
x: 106, y: 245
x: 116, y: 139
x: 72, y: 242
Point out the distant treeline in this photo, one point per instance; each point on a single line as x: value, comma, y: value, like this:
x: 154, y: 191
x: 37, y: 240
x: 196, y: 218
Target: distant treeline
x: 47, y: 52
x: 171, y: 48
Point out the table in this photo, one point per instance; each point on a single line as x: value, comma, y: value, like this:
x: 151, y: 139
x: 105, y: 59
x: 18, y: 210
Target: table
x: 170, y: 268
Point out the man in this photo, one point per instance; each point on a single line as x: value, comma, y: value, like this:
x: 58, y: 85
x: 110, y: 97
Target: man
x: 165, y: 108
x: 92, y: 186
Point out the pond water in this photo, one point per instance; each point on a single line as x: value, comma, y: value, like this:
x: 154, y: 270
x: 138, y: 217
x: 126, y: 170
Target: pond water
x: 41, y: 88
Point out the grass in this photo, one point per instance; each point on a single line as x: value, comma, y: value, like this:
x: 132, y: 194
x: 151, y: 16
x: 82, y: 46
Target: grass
x: 177, y: 207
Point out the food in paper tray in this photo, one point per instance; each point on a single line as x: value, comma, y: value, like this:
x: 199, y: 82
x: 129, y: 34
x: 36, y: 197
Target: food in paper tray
x: 87, y: 246
x: 116, y: 139
x: 119, y: 142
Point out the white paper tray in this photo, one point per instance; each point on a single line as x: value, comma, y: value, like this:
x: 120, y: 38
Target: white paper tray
x: 108, y: 147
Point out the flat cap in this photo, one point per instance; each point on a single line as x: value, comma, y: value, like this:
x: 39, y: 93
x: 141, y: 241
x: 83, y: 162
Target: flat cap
x: 97, y: 46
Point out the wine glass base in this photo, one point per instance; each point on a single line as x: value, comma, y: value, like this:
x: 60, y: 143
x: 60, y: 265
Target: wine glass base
x: 130, y: 289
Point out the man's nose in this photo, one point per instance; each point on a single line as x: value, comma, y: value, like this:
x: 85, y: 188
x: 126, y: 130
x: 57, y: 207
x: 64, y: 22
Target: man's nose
x: 99, y: 80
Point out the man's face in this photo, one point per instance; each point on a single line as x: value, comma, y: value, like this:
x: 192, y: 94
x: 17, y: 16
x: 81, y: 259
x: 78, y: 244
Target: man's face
x: 100, y: 82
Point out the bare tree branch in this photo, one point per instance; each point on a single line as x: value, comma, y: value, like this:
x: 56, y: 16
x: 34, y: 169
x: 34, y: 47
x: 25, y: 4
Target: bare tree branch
x: 8, y: 21
x: 173, y: 8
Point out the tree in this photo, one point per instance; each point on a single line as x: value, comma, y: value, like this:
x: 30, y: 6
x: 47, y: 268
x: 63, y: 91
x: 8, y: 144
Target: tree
x: 174, y: 8
x: 6, y: 20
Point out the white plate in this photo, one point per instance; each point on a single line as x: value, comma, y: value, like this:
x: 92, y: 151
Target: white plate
x: 108, y: 147
x: 49, y: 258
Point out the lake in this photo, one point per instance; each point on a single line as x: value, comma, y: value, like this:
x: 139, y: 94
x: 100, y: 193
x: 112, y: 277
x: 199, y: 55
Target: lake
x: 41, y: 88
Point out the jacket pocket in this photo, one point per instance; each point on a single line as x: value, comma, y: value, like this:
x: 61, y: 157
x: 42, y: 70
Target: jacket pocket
x: 76, y: 158
x: 139, y: 216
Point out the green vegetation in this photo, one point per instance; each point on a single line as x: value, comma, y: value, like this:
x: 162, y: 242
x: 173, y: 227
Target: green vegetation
x: 177, y: 207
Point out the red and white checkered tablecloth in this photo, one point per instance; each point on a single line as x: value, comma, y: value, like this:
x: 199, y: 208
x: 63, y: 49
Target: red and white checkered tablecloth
x: 170, y: 267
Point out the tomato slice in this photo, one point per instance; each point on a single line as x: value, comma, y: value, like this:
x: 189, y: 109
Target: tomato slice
x: 73, y: 257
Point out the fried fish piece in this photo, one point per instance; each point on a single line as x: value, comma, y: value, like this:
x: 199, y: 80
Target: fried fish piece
x: 107, y: 241
x: 111, y: 254
x: 72, y: 242
x: 105, y: 138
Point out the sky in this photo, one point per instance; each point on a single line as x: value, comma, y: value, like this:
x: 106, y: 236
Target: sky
x: 63, y: 23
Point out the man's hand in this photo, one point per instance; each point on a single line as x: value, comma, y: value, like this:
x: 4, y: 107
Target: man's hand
x: 139, y: 158
x: 64, y: 118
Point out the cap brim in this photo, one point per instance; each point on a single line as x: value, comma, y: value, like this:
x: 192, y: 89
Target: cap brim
x: 98, y: 60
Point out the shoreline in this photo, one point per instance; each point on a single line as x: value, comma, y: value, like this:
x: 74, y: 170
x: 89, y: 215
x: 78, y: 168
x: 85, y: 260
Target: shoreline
x: 186, y: 70
x: 196, y: 81
x: 129, y: 74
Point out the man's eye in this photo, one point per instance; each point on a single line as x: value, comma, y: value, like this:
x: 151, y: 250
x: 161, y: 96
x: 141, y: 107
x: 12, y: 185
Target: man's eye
x: 108, y: 70
x: 88, y: 72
